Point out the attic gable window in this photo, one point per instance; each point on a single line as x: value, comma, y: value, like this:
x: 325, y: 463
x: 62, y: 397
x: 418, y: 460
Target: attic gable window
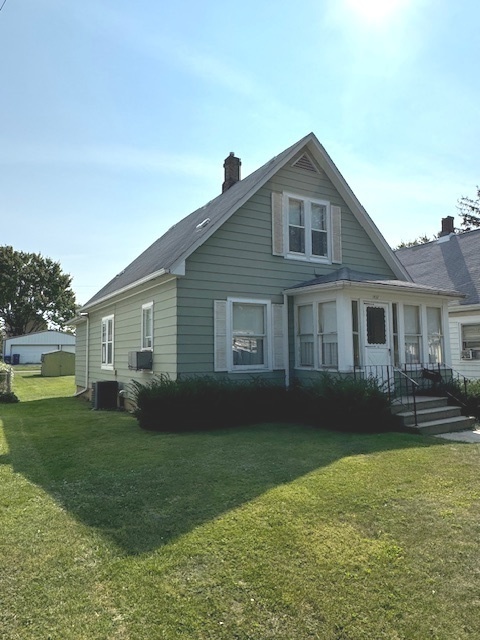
x: 308, y: 227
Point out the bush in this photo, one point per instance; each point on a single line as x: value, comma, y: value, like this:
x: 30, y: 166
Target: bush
x: 8, y: 397
x: 345, y: 404
x: 467, y: 398
x: 208, y: 403
x: 203, y: 403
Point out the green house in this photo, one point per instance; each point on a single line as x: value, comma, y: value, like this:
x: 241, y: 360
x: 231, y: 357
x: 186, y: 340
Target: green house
x: 284, y: 275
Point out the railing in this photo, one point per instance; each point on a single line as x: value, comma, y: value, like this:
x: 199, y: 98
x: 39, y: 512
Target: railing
x: 405, y: 382
x: 397, y: 384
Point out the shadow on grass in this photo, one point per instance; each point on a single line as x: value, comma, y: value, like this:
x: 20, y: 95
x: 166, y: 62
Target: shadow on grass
x: 143, y: 489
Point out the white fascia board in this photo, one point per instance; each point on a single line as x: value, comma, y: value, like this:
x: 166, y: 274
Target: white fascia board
x: 132, y: 285
x: 366, y: 222
x: 348, y: 284
x: 241, y: 201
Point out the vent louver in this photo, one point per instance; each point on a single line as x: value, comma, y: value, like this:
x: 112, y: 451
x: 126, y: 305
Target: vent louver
x: 305, y: 163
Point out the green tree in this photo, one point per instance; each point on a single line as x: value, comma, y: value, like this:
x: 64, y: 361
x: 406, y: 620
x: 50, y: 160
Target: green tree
x: 469, y: 209
x: 414, y: 243
x: 35, y: 294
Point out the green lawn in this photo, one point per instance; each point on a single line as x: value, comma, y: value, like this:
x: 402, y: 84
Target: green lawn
x: 265, y: 532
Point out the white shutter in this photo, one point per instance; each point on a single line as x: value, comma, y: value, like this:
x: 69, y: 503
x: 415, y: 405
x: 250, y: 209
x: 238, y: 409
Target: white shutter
x: 220, y: 328
x: 277, y: 224
x: 336, y: 234
x: 278, y: 333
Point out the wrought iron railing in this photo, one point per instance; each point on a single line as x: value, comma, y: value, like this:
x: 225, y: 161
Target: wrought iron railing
x: 405, y: 382
x: 397, y: 384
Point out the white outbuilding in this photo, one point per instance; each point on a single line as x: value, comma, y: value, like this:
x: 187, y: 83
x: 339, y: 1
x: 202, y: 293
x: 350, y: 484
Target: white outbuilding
x: 28, y: 349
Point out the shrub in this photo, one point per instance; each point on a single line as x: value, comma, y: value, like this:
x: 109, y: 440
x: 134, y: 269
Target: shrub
x: 203, y: 402
x: 8, y: 397
x: 207, y: 403
x: 345, y: 404
x: 468, y: 398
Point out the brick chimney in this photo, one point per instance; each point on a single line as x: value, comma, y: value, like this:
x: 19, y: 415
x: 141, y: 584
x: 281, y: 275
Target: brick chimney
x: 447, y: 227
x: 232, y: 171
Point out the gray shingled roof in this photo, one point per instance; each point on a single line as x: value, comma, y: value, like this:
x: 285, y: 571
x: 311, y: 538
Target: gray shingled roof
x: 184, y: 235
x: 351, y: 275
x: 451, y: 262
x: 169, y: 252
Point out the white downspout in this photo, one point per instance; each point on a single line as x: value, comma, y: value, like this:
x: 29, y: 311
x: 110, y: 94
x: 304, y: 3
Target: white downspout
x: 87, y: 352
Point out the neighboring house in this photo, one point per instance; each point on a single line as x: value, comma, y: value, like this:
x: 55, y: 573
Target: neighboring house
x: 453, y: 261
x: 28, y: 349
x: 284, y: 275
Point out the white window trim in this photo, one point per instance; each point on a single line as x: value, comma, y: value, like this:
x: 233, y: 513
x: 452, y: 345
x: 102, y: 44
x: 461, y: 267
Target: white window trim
x: 307, y: 256
x: 148, y: 305
x: 105, y: 320
x: 317, y: 366
x: 268, y: 348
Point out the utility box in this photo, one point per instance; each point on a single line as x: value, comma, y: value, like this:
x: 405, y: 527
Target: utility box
x: 105, y: 394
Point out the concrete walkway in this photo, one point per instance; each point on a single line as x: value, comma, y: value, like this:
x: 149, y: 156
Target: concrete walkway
x: 462, y: 436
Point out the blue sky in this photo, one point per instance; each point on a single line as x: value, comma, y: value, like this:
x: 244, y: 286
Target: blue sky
x: 116, y: 116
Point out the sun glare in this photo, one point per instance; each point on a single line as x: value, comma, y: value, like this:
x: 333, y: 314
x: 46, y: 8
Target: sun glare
x: 376, y: 11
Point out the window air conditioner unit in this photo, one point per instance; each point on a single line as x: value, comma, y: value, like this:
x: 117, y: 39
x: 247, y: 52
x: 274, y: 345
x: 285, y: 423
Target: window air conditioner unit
x: 467, y: 354
x: 139, y: 360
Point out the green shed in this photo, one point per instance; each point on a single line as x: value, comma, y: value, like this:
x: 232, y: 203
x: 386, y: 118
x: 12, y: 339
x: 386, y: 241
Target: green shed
x: 58, y: 363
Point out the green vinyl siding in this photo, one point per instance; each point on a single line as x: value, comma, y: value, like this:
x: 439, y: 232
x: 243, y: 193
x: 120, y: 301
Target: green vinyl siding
x: 127, y: 314
x: 80, y: 354
x: 237, y: 261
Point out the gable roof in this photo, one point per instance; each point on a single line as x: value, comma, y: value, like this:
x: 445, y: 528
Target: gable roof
x: 168, y: 253
x: 452, y: 262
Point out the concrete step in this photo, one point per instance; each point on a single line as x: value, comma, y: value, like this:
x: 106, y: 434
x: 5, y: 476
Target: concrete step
x: 428, y: 415
x: 423, y: 402
x: 448, y: 425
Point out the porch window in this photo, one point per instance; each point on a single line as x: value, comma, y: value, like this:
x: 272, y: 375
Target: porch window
x: 327, y: 334
x: 107, y: 342
x: 305, y: 335
x: 412, y: 334
x: 355, y: 334
x: 435, y: 335
x: 249, y: 335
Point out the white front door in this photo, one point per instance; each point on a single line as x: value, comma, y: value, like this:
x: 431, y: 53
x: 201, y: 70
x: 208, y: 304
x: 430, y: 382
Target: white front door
x: 377, y: 341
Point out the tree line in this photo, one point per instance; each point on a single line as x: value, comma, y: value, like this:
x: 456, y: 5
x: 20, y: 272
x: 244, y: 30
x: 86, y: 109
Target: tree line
x: 469, y: 210
x: 35, y: 294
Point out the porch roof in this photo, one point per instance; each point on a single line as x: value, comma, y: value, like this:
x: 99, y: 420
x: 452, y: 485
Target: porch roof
x: 345, y: 277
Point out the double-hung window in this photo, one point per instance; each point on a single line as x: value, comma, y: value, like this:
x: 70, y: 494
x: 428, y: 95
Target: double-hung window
x: 305, y: 324
x: 107, y: 342
x: 147, y: 326
x: 413, y: 334
x: 327, y: 334
x: 249, y: 321
x: 308, y: 227
x: 470, y: 341
x: 317, y: 340
x: 435, y: 335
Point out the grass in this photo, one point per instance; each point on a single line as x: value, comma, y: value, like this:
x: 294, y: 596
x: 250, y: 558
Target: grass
x: 270, y: 531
